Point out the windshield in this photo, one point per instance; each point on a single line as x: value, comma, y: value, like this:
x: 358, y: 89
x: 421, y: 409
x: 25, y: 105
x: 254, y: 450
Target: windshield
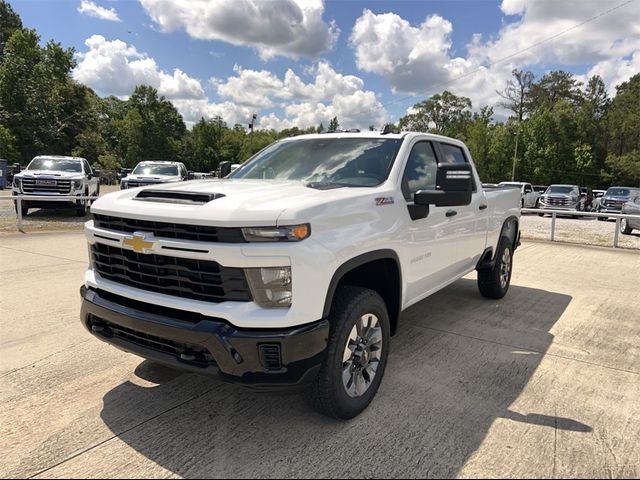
x: 358, y: 162
x: 55, y: 164
x: 151, y: 169
x: 619, y: 192
x: 563, y: 190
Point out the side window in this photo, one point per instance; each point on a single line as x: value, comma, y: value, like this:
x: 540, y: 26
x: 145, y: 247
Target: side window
x: 87, y: 167
x: 421, y: 170
x: 452, y: 154
x: 528, y: 189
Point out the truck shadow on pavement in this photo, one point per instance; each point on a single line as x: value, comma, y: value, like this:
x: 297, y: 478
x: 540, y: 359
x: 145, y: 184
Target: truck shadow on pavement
x: 457, y: 365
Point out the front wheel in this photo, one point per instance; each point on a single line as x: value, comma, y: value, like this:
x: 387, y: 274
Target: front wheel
x: 494, y: 282
x: 624, y: 227
x: 357, y: 352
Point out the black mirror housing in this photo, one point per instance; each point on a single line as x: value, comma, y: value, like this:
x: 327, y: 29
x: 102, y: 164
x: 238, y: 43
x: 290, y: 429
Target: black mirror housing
x: 454, y: 187
x: 224, y: 168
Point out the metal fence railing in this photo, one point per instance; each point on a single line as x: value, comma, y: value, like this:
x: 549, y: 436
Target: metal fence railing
x: 555, y: 213
x: 35, y: 198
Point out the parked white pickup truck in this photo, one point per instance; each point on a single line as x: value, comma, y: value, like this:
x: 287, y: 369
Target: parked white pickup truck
x: 152, y: 173
x: 293, y: 271
x: 530, y: 197
x: 53, y: 176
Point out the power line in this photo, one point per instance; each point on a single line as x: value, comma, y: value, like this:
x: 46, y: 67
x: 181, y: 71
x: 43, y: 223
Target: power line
x: 530, y: 47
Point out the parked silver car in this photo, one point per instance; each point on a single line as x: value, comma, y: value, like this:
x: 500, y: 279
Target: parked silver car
x: 632, y: 207
x: 562, y: 197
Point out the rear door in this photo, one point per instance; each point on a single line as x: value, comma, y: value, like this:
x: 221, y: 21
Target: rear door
x: 467, y: 225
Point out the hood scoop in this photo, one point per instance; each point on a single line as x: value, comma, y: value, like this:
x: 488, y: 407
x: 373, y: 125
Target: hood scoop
x: 171, y: 196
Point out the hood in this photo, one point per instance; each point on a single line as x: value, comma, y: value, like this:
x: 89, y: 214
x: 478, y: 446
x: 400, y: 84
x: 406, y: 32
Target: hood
x: 239, y: 202
x: 616, y: 198
x: 49, y: 174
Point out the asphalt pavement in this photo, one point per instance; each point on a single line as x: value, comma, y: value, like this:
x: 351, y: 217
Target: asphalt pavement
x: 545, y: 383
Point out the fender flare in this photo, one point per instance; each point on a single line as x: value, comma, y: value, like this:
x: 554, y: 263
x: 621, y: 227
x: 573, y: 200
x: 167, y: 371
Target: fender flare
x: 358, y: 261
x: 487, y: 259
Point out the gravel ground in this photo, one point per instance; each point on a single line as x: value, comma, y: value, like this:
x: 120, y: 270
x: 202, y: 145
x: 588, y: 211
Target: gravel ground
x: 43, y: 220
x: 585, y: 231
x: 582, y: 231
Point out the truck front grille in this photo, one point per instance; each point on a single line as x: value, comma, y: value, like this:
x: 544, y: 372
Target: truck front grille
x: 54, y: 187
x: 559, y: 201
x: 170, y: 230
x: 189, y: 353
x: 180, y: 277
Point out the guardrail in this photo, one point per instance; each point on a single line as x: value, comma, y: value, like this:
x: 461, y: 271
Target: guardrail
x: 47, y: 198
x: 571, y: 213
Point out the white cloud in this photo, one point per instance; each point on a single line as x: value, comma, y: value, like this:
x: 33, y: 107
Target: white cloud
x: 304, y: 104
x: 418, y: 59
x: 291, y: 28
x: 115, y: 68
x: 93, y: 10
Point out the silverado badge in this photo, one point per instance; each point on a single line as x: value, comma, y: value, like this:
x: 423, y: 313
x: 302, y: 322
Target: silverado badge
x: 138, y: 243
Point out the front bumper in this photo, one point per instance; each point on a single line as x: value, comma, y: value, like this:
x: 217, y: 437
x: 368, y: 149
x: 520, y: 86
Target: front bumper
x: 32, y: 201
x: 262, y: 359
x: 565, y: 208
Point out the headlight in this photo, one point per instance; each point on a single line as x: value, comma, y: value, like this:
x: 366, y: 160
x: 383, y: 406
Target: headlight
x: 77, y: 184
x: 17, y: 182
x: 270, y: 286
x: 123, y: 185
x: 292, y: 233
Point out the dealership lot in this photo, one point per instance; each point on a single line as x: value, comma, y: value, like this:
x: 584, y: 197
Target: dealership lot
x: 544, y: 383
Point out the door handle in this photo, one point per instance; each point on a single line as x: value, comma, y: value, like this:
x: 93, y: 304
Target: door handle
x: 483, y: 206
x: 451, y: 213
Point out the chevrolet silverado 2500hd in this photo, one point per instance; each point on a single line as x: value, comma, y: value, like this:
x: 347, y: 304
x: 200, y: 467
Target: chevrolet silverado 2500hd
x: 293, y: 270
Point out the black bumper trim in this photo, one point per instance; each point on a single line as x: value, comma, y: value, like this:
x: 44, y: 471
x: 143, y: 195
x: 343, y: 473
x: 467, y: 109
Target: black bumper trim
x: 234, y: 354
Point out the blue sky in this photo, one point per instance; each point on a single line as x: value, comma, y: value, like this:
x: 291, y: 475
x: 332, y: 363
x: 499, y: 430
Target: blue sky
x: 386, y: 56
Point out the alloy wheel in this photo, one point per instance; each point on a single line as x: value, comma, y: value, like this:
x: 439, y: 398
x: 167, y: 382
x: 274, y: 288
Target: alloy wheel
x: 362, y: 355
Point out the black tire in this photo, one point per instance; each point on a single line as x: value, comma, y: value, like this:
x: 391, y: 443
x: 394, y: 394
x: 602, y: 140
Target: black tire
x: 329, y: 393
x: 624, y: 227
x: 602, y: 219
x: 541, y: 214
x: 491, y: 281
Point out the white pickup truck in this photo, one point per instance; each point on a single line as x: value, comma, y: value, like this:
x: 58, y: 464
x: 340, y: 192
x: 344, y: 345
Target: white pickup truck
x: 530, y: 198
x: 293, y: 271
x: 53, y: 176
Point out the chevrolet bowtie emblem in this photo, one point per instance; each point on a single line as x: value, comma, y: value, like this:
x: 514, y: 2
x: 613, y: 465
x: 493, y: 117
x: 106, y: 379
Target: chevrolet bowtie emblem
x: 138, y: 243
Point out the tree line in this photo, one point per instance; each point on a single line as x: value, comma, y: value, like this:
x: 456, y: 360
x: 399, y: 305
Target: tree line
x: 558, y: 130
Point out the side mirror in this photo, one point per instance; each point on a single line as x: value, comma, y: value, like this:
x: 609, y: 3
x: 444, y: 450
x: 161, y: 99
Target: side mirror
x: 190, y: 175
x: 454, y: 187
x: 224, y: 168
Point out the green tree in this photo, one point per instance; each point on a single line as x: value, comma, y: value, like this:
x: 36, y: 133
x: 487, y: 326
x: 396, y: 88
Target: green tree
x: 8, y: 145
x: 334, y: 125
x: 443, y: 113
x: 35, y: 87
x: 9, y: 22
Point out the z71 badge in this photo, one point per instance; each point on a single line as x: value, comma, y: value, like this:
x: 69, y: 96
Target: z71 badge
x: 384, y: 201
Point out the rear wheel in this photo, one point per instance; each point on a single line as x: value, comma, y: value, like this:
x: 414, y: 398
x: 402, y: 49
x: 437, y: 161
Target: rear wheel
x: 357, y: 353
x: 624, y: 227
x: 494, y: 282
